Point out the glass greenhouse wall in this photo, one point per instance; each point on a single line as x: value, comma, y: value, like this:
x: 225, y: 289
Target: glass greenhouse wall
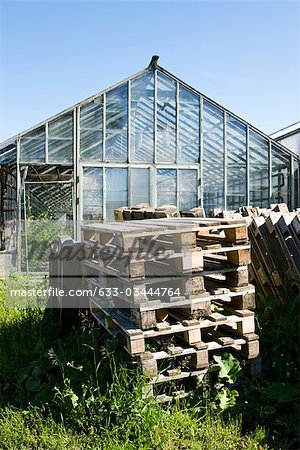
x: 151, y: 138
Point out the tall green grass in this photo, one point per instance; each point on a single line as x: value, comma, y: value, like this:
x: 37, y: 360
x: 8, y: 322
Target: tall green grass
x: 78, y: 391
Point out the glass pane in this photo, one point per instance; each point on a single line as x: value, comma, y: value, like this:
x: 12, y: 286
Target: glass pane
x: 116, y: 190
x: 166, y: 187
x: 189, y: 126
x: 91, y: 131
x: 50, y: 214
x: 188, y: 189
x: 140, y: 186
x: 213, y: 157
x: 236, y: 163
x: 258, y: 170
x: 166, y: 119
x: 296, y: 174
x: 8, y: 153
x: 116, y: 124
x: 281, y: 168
x: 92, y: 193
x: 33, y: 146
x: 60, y: 144
x: 142, y: 118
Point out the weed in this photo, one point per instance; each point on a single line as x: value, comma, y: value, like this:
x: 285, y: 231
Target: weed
x: 78, y: 391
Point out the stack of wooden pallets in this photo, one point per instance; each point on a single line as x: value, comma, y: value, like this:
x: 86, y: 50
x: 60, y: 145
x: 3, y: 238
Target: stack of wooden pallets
x: 144, y: 211
x: 275, y: 264
x: 175, y: 291
x: 274, y: 234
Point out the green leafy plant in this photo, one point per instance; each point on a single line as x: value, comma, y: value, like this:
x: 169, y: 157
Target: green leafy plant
x: 226, y: 398
x: 40, y: 231
x: 229, y: 370
x: 229, y: 367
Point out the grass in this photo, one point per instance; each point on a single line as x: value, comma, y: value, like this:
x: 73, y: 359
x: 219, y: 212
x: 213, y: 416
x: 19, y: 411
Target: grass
x: 173, y: 430
x: 77, y: 392
x: 167, y: 430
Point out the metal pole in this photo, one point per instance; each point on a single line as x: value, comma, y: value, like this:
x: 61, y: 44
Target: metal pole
x: 25, y: 229
x: 128, y: 121
x: 178, y: 181
x: 77, y: 176
x: 155, y: 116
x: 247, y: 168
x: 270, y: 172
x: 292, y: 187
x: 225, y: 158
x: 104, y: 193
x: 177, y: 152
x: 19, y: 208
x: 104, y: 158
x: 46, y: 141
x: 201, y: 181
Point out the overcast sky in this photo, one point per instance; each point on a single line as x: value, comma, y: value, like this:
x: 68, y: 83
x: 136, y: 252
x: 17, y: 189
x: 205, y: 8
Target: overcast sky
x: 244, y: 55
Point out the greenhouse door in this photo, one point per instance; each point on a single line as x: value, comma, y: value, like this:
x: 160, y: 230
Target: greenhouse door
x: 47, y: 213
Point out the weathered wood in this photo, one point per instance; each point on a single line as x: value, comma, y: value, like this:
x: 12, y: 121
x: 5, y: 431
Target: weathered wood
x: 144, y: 319
x: 201, y: 255
x: 118, y: 213
x: 194, y: 212
x: 166, y: 211
x: 199, y: 359
x: 250, y: 349
x: 280, y: 207
x: 237, y: 278
x: 149, y: 365
x: 240, y: 257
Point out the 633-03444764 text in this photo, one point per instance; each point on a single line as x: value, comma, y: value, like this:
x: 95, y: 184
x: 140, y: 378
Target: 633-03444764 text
x: 96, y: 291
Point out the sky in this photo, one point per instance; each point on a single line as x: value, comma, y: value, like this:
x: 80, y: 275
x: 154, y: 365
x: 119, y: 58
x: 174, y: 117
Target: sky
x: 244, y: 55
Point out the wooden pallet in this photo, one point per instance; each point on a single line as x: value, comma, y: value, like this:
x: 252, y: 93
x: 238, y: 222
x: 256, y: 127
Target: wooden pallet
x: 134, y: 339
x: 132, y: 236
x: 146, y: 312
x: 206, y: 260
x: 187, y: 381
x: 275, y: 255
x: 146, y: 265
x: 234, y: 231
x: 175, y: 358
x: 151, y: 288
x: 167, y: 262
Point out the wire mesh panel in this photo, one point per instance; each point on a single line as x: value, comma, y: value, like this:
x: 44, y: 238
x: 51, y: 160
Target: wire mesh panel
x: 48, y: 214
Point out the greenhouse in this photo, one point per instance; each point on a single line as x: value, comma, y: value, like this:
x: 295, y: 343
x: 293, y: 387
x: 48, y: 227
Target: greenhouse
x: 150, y: 138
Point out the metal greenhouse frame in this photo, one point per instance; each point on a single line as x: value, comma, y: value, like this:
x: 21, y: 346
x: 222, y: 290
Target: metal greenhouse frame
x: 150, y: 137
